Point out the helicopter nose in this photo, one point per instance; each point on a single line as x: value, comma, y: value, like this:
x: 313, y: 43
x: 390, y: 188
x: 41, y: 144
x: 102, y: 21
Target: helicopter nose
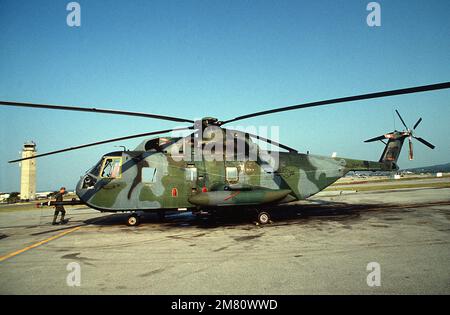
x: 85, y: 187
x: 79, y: 188
x: 85, y: 183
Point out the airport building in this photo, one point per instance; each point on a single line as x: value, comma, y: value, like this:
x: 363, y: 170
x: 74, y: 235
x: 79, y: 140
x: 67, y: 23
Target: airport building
x: 28, y: 172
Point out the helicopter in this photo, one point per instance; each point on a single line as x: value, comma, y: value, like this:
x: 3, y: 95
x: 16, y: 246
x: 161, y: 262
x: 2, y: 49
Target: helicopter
x: 215, y: 168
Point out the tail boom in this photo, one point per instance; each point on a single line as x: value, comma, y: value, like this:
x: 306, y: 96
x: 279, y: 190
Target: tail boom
x: 364, y: 165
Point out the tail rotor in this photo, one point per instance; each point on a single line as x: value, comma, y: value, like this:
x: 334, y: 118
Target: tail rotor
x: 400, y: 136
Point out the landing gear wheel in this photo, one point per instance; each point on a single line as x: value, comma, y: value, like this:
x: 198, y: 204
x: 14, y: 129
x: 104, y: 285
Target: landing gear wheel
x: 133, y: 220
x: 263, y: 217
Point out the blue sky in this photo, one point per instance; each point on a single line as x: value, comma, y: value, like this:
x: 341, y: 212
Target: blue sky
x: 218, y: 58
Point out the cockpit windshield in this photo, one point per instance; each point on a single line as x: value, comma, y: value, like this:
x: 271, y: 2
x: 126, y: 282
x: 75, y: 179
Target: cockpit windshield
x: 109, y: 166
x: 96, y: 169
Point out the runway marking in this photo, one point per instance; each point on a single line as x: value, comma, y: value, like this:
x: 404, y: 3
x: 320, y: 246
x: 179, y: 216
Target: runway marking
x: 2, y: 258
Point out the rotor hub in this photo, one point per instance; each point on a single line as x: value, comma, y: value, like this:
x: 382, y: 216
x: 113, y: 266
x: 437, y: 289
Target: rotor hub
x: 206, y: 122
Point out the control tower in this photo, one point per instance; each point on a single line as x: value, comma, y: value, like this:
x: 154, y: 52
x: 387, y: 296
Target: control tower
x: 28, y: 172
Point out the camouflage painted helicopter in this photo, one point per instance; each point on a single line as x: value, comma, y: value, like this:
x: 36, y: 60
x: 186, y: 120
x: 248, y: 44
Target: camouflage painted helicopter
x: 213, y: 167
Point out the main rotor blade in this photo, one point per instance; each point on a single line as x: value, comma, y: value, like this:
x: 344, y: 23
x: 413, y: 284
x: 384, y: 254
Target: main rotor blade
x: 376, y: 138
x: 95, y: 110
x: 417, y: 89
x: 269, y: 141
x: 425, y: 142
x: 101, y: 142
x: 417, y: 123
x: 277, y: 144
x: 399, y: 116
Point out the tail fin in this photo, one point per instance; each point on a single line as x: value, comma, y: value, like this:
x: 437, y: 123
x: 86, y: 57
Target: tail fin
x: 395, y: 142
x: 392, y: 150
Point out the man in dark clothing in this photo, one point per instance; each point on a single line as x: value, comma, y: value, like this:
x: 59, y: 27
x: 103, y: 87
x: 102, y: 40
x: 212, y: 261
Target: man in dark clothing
x: 59, y: 208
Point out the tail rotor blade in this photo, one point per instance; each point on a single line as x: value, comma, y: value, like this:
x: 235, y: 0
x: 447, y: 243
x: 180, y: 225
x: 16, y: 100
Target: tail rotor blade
x: 376, y: 138
x: 399, y: 116
x: 425, y: 142
x: 417, y: 123
x: 411, y: 154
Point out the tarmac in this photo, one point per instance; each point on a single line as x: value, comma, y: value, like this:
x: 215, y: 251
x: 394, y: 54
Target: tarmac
x: 319, y: 246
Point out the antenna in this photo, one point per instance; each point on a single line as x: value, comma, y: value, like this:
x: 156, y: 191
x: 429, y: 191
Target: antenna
x: 121, y: 146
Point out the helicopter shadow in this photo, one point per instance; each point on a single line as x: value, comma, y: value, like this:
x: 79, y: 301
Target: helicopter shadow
x: 281, y: 215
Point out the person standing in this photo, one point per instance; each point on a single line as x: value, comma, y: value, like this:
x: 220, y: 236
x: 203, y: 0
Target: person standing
x: 59, y: 208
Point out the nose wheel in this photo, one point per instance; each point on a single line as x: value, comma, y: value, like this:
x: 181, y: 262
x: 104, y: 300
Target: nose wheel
x: 133, y: 219
x: 263, y: 217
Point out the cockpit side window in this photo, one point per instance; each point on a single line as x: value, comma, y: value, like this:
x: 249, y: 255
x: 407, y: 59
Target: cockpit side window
x: 112, y: 167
